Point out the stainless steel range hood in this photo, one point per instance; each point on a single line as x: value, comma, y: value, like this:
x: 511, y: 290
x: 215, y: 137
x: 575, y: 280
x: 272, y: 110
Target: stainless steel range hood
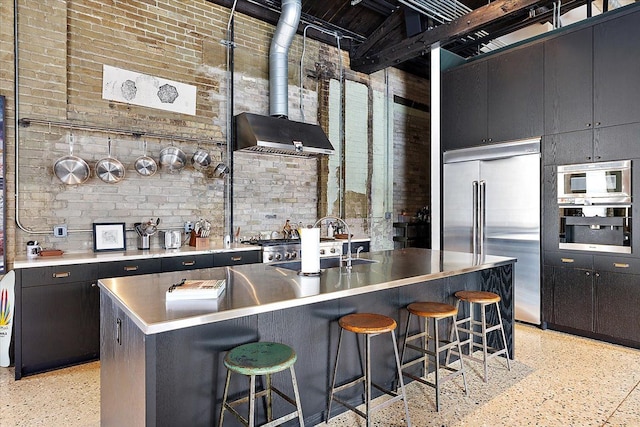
x: 275, y: 133
x: 280, y: 136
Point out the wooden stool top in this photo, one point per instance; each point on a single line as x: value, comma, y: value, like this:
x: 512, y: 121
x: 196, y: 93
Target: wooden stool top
x: 367, y: 323
x: 436, y: 310
x: 481, y: 297
x: 260, y: 358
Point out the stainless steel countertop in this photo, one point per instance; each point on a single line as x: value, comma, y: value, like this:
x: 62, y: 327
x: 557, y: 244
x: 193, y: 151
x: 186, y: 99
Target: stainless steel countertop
x: 260, y: 288
x: 91, y: 257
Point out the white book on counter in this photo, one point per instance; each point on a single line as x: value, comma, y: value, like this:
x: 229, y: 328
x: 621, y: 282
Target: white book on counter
x: 196, y: 289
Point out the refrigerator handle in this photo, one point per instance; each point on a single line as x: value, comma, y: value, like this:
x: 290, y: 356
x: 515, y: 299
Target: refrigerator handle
x: 476, y: 215
x: 482, y: 211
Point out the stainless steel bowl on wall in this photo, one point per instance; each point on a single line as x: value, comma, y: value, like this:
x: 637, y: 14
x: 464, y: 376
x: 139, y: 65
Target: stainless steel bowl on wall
x: 172, y: 159
x: 109, y: 169
x: 71, y: 169
x: 201, y: 159
x: 145, y: 165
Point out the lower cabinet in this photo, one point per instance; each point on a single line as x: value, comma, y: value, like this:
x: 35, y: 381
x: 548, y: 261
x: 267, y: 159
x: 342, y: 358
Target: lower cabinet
x: 60, y: 325
x: 593, y: 295
x: 573, y: 298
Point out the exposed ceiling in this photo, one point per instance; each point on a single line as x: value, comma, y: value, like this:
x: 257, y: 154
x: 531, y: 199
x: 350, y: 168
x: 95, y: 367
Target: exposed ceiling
x: 399, y: 33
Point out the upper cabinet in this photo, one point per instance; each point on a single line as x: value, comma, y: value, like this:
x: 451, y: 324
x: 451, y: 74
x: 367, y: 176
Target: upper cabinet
x: 616, y: 69
x: 515, y: 94
x: 494, y: 100
x: 590, y: 76
x: 464, y: 106
x: 568, y: 80
x: 591, y: 103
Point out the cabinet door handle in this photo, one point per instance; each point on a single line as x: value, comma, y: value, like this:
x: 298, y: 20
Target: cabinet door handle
x: 119, y: 331
x: 567, y: 260
x: 620, y: 265
x: 587, y: 273
x: 236, y: 258
x: 597, y: 274
x: 61, y: 275
x: 188, y: 263
x: 131, y: 268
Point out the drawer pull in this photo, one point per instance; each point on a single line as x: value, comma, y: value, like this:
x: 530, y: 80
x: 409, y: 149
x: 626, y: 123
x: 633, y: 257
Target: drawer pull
x: 620, y: 265
x: 61, y: 275
x: 236, y: 258
x: 119, y: 331
x: 188, y: 263
x: 567, y: 260
x: 131, y: 268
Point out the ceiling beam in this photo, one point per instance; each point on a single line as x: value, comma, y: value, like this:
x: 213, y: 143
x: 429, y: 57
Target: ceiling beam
x: 370, y: 62
x: 392, y: 24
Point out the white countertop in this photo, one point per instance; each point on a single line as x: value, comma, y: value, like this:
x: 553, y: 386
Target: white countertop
x: 260, y: 288
x: 91, y: 257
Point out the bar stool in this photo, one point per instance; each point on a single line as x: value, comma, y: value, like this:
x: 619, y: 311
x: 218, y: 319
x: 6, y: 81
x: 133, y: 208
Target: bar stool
x: 261, y: 358
x: 369, y: 325
x: 470, y: 327
x: 436, y: 311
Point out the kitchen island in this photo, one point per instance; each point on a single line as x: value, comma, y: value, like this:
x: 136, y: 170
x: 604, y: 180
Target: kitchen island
x: 161, y: 361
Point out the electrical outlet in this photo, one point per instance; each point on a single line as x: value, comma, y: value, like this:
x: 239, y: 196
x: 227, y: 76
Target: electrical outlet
x: 60, y: 230
x: 188, y: 227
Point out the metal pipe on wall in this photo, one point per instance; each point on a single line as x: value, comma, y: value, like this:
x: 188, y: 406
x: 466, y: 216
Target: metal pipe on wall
x: 230, y: 128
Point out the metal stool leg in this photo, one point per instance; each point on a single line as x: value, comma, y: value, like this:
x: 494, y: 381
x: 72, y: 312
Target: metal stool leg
x: 252, y: 401
x: 296, y: 394
x: 504, y: 338
x: 335, y: 372
x: 224, y: 398
x: 398, y: 367
x: 454, y: 326
x: 367, y: 383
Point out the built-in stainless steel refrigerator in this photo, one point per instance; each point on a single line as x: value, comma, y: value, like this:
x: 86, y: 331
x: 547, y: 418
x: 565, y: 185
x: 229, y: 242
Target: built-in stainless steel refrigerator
x: 491, y: 206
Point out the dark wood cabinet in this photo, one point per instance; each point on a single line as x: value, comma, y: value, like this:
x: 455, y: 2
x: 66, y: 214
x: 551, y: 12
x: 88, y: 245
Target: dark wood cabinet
x: 60, y: 325
x: 568, y: 82
x: 616, y: 67
x: 224, y: 259
x: 187, y: 262
x: 515, y: 94
x: 573, y: 298
x: 569, y: 278
x: 568, y: 148
x: 592, y: 295
x: 128, y: 268
x: 494, y: 100
x: 464, y: 106
x: 617, y: 301
x: 591, y: 106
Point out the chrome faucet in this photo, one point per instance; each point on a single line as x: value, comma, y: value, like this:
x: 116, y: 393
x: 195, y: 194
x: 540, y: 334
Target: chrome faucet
x: 348, y: 258
x: 360, y: 249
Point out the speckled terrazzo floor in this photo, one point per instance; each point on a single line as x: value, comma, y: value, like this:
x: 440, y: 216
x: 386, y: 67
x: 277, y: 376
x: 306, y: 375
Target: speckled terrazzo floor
x: 556, y: 380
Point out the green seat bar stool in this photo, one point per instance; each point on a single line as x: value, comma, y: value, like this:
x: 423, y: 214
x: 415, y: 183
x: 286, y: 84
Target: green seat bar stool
x: 261, y: 359
x: 369, y: 325
x: 480, y: 328
x: 436, y: 311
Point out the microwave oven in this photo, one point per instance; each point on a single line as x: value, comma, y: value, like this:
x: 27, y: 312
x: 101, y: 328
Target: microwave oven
x: 595, y: 183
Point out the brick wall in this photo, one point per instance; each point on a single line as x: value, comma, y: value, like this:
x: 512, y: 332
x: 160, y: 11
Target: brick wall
x: 63, y: 46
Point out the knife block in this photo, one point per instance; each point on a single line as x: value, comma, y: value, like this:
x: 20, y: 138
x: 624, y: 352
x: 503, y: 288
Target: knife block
x: 198, y: 242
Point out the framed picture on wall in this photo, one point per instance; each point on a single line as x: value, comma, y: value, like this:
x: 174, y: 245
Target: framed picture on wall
x: 108, y: 237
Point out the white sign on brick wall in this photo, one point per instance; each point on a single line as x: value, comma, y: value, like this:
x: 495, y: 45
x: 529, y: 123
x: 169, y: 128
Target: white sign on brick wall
x: 147, y: 91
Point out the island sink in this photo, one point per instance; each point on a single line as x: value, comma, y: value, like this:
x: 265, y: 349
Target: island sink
x: 332, y: 262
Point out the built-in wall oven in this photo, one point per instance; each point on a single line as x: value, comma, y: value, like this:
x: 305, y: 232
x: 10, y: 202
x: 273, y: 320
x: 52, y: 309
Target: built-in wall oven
x: 594, y: 201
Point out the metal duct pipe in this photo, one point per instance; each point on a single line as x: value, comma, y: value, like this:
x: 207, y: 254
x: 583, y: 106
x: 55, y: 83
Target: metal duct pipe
x: 279, y: 57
